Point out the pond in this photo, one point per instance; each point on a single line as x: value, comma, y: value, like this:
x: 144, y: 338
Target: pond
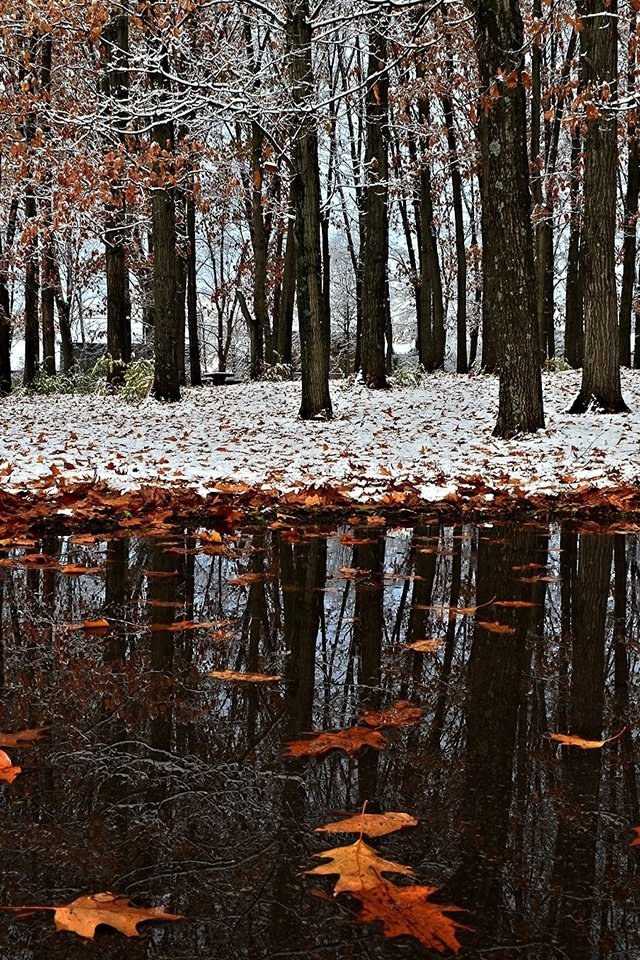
x: 159, y: 782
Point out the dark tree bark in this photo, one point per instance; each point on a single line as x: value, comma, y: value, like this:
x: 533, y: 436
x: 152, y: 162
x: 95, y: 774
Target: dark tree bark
x: 259, y: 324
x: 600, y: 388
x: 116, y: 41
x: 375, y: 254
x: 47, y: 304
x: 284, y: 334
x: 313, y: 319
x: 508, y: 246
x: 574, y: 306
x: 31, y: 291
x: 166, y: 383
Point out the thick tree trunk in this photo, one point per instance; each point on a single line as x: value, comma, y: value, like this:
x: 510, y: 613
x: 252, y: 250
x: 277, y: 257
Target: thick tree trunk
x: 508, y: 246
x: 376, y: 250
x: 313, y: 321
x: 600, y: 388
x: 115, y: 236
x: 260, y: 321
x: 166, y: 384
x: 47, y: 305
x: 31, y: 291
x: 287, y: 298
x: 574, y: 305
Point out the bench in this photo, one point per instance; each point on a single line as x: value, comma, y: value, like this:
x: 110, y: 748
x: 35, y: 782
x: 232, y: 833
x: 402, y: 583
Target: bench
x: 218, y: 377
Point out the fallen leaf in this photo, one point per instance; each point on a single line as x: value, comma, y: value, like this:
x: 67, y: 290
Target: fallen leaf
x: 425, y: 646
x: 636, y: 840
x: 246, y: 578
x: 407, y: 911
x: 191, y: 625
x: 569, y: 740
x: 89, y: 625
x: 515, y: 604
x: 84, y: 914
x: 371, y: 824
x: 351, y: 741
x: 23, y: 738
x: 400, y: 714
x: 237, y: 676
x: 358, y: 866
x: 494, y: 627
x: 8, y: 772
x: 70, y: 568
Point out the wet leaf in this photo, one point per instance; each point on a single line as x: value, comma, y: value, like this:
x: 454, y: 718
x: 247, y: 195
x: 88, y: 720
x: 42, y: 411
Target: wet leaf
x: 100, y: 624
x: 515, y: 604
x: 8, y: 772
x: 191, y: 625
x: 570, y: 740
x: 425, y: 646
x: 237, y: 676
x: 636, y: 840
x: 351, y: 741
x: 23, y: 738
x: 400, y: 714
x: 494, y: 627
x: 71, y: 568
x: 407, y: 911
x: 246, y: 578
x: 358, y: 866
x: 371, y: 824
x: 84, y: 914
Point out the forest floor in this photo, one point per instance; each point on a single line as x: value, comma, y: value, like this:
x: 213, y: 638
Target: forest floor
x: 414, y: 448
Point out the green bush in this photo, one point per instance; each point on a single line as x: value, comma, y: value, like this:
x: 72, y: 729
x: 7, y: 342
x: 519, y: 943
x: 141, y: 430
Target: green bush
x: 137, y: 376
x: 138, y: 380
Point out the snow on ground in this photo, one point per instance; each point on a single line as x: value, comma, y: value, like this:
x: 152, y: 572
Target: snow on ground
x: 433, y: 437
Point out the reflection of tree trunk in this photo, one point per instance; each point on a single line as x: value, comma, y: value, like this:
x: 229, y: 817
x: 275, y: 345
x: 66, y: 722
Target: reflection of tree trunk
x: 425, y: 572
x: 303, y: 570
x: 368, y: 632
x: 497, y: 683
x: 575, y: 864
x: 437, y: 727
x: 162, y: 587
x: 115, y: 598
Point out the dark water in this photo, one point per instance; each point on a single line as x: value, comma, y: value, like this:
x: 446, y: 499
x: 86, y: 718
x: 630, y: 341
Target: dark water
x: 172, y: 788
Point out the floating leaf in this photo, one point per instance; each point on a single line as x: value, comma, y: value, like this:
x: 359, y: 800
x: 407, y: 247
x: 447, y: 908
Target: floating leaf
x: 569, y: 740
x: 371, y: 824
x: 71, y: 568
x: 636, y: 840
x: 494, y: 627
x: 515, y: 604
x: 400, y: 714
x: 23, y: 738
x: 237, y: 676
x: 245, y: 579
x: 84, y: 914
x: 425, y: 646
x: 358, y: 866
x: 351, y: 741
x: 8, y: 772
x: 407, y: 911
x: 191, y: 625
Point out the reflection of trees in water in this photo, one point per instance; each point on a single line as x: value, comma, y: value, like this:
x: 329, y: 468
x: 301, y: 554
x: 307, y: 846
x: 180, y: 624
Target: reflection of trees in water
x: 159, y: 783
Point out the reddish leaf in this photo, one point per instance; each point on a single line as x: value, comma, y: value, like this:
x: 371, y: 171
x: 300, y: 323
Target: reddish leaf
x: 494, y: 627
x: 236, y: 676
x: 351, y: 741
x: 569, y: 740
x: 400, y: 714
x: 23, y: 738
x: 370, y: 824
x: 407, y: 911
x: 8, y: 772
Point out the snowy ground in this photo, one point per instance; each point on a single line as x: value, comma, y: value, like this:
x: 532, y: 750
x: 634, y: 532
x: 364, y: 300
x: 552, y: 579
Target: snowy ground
x: 434, y: 439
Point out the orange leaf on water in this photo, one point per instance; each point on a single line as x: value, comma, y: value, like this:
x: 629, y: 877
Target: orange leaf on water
x: 8, y: 772
x: 351, y: 741
x: 569, y: 740
x: 84, y: 914
x: 191, y: 625
x: 371, y: 824
x: 23, y: 738
x: 515, y: 604
x: 636, y: 840
x: 425, y: 646
x: 408, y: 911
x: 237, y: 676
x: 358, y: 867
x: 494, y: 627
x: 400, y: 714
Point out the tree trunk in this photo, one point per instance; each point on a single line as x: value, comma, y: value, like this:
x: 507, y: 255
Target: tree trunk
x: 376, y: 249
x: 31, y: 290
x: 260, y: 321
x: 313, y: 321
x: 115, y: 235
x: 287, y: 298
x: 47, y: 305
x: 166, y: 384
x: 600, y: 388
x: 461, y: 253
x: 5, y: 303
x: 509, y: 292
x: 574, y: 305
